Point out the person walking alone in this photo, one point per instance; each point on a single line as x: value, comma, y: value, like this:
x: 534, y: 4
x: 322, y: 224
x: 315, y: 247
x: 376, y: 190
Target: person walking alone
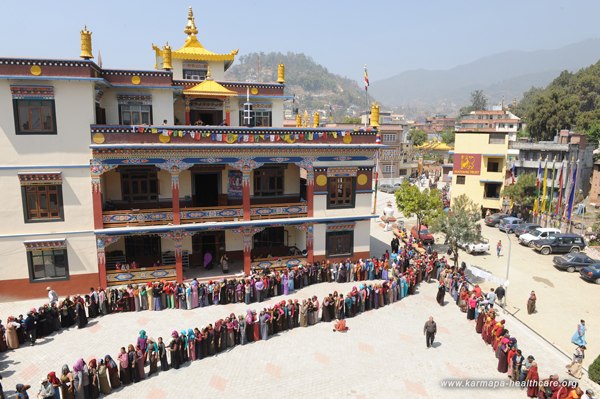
x: 429, y: 331
x: 531, y: 303
x: 499, y: 248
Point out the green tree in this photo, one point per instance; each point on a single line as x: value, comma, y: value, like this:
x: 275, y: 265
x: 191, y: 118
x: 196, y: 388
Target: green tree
x: 478, y: 102
x: 523, y: 192
x: 426, y: 205
x: 418, y: 137
x: 594, y: 371
x: 593, y: 133
x: 448, y: 136
x: 352, y: 120
x: 459, y: 224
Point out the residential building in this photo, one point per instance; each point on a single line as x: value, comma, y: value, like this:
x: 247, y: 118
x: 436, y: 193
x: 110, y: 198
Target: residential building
x: 439, y: 155
x: 165, y: 171
x: 495, y: 120
x: 594, y: 197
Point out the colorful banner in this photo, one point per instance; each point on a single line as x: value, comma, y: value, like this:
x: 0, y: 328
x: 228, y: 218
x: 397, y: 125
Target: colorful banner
x: 467, y: 164
x: 235, y: 184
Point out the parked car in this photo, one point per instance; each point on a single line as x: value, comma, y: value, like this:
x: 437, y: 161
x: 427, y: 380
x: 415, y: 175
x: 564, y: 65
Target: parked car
x: 387, y: 188
x: 422, y: 233
x: 476, y: 248
x: 591, y: 273
x: 509, y: 224
x: 561, y: 243
x: 538, y: 234
x: 572, y: 262
x: 494, y: 219
x: 525, y: 228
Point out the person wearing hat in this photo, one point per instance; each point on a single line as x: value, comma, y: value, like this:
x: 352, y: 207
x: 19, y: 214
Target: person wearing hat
x: 22, y: 391
x: 52, y: 296
x: 589, y: 394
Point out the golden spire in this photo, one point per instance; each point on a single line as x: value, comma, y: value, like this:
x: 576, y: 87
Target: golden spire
x: 281, y: 74
x: 167, y: 59
x: 208, y: 74
x: 190, y: 27
x: 86, y: 44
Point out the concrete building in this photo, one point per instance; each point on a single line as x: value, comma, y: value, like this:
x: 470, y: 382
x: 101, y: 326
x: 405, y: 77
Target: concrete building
x: 494, y: 120
x: 566, y: 147
x: 166, y: 171
x: 594, y: 196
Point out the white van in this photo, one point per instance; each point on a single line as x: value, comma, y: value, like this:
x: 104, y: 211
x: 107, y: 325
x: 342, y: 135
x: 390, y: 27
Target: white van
x: 538, y: 234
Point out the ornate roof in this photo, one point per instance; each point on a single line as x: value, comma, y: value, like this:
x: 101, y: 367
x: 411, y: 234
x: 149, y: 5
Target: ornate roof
x: 209, y: 88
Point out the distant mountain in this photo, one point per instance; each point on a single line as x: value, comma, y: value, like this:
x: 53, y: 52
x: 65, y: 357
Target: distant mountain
x: 501, y: 76
x: 314, y: 87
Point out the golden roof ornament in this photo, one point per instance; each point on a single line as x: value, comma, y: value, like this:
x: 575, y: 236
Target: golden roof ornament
x: 375, y: 115
x: 167, y: 59
x: 86, y: 44
x: 208, y: 74
x: 281, y: 73
x: 316, y: 119
x: 298, y: 120
x: 190, y: 27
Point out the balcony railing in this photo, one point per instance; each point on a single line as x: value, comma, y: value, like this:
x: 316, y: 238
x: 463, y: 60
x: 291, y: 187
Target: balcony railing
x: 150, y: 217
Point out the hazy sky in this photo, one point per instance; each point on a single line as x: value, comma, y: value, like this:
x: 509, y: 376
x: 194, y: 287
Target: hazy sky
x: 389, y: 35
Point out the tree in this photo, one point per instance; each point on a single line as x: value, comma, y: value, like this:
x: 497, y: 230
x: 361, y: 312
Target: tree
x: 459, y: 224
x: 448, y: 136
x: 418, y: 137
x: 352, y: 120
x: 426, y: 205
x: 594, y: 370
x: 593, y: 133
x: 523, y: 192
x: 478, y: 102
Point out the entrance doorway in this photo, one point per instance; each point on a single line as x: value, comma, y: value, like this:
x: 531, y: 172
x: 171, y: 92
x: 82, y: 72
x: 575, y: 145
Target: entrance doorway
x: 210, y: 118
x: 144, y: 250
x: 206, y: 189
x: 209, y: 242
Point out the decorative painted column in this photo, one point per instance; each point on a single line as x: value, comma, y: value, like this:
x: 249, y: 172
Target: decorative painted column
x: 101, y: 243
x: 177, y: 237
x: 97, y: 168
x: 246, y: 165
x: 187, y: 112
x: 248, y: 233
x: 307, y: 164
x: 174, y: 167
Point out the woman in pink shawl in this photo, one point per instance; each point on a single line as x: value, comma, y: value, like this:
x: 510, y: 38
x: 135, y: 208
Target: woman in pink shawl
x: 139, y: 358
x: 286, y: 287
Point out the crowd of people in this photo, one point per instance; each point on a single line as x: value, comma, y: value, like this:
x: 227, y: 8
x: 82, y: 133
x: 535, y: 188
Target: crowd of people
x: 521, y: 369
x: 379, y: 282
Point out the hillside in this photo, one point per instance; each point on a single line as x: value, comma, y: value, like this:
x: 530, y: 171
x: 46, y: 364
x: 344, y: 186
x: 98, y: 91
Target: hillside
x: 571, y: 101
x: 315, y: 88
x: 504, y: 75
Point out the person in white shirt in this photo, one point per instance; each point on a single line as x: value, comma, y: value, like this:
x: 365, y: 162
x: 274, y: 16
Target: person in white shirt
x: 52, y: 295
x: 491, y: 297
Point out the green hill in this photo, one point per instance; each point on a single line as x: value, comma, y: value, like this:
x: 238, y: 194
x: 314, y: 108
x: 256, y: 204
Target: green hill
x: 571, y: 101
x: 314, y: 87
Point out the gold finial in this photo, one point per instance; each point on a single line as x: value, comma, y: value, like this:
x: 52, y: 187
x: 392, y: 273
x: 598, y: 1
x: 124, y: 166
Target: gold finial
x: 305, y: 119
x: 316, y: 119
x: 281, y: 74
x: 190, y: 27
x: 86, y: 44
x: 375, y: 115
x: 298, y: 120
x: 166, y: 53
x: 208, y: 74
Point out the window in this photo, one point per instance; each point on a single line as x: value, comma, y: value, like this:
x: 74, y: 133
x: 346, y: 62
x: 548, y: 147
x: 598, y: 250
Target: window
x: 139, y: 184
x: 402, y: 172
x: 341, y: 192
x: 34, y: 116
x: 460, y: 179
x: 42, y: 203
x: 492, y: 190
x: 493, y: 165
x: 195, y: 70
x: 135, y: 114
x: 339, y: 243
x: 497, y: 138
x: 261, y: 117
x: 388, y: 168
x: 47, y: 264
x: 389, y: 138
x: 269, y: 237
x: 268, y: 181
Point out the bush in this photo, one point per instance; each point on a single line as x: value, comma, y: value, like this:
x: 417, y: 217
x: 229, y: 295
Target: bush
x: 594, y: 370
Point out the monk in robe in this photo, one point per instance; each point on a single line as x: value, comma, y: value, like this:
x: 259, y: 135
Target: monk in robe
x: 480, y: 320
x: 340, y: 326
x: 532, y: 381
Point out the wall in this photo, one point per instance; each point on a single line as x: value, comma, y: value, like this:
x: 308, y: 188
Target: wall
x: 233, y: 241
x: 111, y: 189
x: 162, y: 104
x: 277, y: 112
x: 291, y: 179
x: 362, y: 239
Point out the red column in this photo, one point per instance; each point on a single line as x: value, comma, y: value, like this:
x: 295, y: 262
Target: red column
x: 175, y: 197
x: 228, y: 118
x: 310, y: 192
x: 246, y: 194
x: 247, y: 252
x: 97, y: 202
x: 179, y: 263
x: 187, y: 112
x: 309, y: 244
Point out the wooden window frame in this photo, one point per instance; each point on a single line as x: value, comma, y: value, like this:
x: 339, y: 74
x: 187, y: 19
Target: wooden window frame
x: 264, y: 175
x: 18, y: 103
x: 27, y: 213
x: 127, y: 194
x: 267, y: 234
x: 338, y: 202
x: 135, y: 103
x: 330, y: 236
x: 47, y: 252
x: 461, y: 179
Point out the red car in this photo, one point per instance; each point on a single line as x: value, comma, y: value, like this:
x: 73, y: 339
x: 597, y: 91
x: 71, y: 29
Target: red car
x: 422, y: 233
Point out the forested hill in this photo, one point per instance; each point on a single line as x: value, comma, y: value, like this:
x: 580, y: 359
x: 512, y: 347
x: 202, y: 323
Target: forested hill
x: 571, y: 101
x: 313, y: 85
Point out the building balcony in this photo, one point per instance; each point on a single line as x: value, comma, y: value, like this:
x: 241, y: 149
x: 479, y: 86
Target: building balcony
x: 107, y: 135
x: 164, y: 216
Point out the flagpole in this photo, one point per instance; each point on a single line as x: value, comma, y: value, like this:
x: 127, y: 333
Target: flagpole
x: 366, y: 78
x: 551, y: 195
x: 374, y: 210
